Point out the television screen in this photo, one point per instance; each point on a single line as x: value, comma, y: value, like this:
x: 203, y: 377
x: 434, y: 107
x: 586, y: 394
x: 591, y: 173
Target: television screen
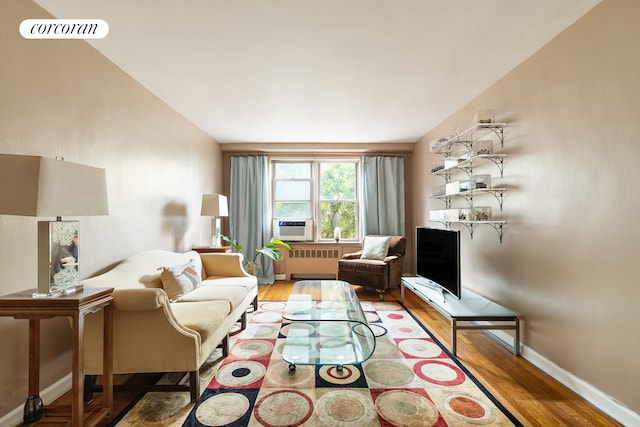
x: 438, y: 258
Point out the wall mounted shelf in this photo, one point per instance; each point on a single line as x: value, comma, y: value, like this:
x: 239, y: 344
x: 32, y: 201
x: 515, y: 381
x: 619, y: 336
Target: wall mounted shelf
x: 464, y: 153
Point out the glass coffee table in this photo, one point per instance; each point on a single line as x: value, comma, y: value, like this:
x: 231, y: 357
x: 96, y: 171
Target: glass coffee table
x: 328, y: 326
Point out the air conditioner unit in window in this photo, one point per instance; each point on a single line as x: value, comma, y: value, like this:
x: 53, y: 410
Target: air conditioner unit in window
x: 293, y: 230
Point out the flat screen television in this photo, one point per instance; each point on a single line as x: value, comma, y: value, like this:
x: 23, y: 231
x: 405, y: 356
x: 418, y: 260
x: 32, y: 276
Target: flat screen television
x: 438, y: 258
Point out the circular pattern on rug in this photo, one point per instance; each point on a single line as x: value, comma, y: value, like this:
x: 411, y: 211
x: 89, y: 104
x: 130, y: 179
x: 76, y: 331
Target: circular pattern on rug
x: 241, y: 373
x: 395, y: 316
x: 284, y: 408
x: 347, y: 375
x: 267, y: 317
x: 420, y: 348
x: 279, y: 374
x: 161, y: 407
x: 222, y: 409
x: 405, y: 408
x: 469, y: 409
x: 333, y: 329
x: 406, y: 330
x: 272, y: 306
x: 385, y: 349
x: 345, y: 408
x: 371, y: 316
x: 261, y: 331
x: 378, y: 330
x: 252, y: 349
x: 387, y: 306
x: 438, y: 372
x: 301, y: 329
x: 389, y: 373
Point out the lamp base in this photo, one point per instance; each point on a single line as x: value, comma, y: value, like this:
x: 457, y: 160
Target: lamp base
x: 57, y: 258
x: 59, y: 292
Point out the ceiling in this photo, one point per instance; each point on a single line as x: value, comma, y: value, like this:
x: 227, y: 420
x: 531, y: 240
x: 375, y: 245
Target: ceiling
x: 338, y: 71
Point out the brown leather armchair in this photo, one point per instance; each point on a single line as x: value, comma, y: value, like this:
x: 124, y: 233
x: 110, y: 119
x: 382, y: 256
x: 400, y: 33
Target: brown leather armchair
x: 379, y: 274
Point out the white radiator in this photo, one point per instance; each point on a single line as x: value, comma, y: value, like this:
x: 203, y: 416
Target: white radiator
x: 311, y: 261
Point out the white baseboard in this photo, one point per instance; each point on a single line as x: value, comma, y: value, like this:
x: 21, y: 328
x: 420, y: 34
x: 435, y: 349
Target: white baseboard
x: 47, y: 395
x: 588, y: 392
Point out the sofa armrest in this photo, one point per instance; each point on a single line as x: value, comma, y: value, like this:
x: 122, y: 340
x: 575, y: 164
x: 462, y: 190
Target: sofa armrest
x: 143, y: 299
x: 222, y: 265
x: 353, y: 255
x: 391, y: 258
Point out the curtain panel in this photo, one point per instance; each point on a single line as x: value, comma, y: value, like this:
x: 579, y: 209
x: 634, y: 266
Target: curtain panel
x: 249, y: 211
x: 383, y: 198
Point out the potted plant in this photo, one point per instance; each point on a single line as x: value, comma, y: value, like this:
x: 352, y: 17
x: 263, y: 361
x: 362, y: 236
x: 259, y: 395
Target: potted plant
x: 271, y: 250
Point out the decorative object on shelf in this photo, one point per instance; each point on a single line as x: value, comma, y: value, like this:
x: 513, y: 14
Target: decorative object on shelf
x: 481, y: 181
x: 479, y: 148
x: 41, y: 186
x: 215, y: 206
x: 271, y: 250
x: 482, y: 213
x: 459, y: 214
x: 337, y: 234
x: 484, y: 116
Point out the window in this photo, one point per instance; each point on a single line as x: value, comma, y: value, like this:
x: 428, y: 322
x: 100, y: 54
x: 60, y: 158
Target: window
x: 325, y: 190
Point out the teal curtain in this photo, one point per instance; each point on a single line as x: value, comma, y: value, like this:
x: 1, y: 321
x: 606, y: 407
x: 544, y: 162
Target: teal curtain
x: 383, y: 198
x: 249, y: 211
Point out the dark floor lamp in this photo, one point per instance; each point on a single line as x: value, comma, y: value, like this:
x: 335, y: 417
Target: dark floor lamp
x: 45, y: 187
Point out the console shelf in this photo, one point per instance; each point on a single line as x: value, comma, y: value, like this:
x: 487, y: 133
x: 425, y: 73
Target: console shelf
x: 466, y: 312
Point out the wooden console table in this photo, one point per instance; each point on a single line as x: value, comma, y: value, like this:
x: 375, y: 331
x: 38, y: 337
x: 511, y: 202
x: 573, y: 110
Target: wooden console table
x: 21, y: 305
x: 471, y: 307
x: 211, y: 249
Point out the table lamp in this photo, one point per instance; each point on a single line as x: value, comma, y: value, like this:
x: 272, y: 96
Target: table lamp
x: 40, y: 187
x: 214, y: 205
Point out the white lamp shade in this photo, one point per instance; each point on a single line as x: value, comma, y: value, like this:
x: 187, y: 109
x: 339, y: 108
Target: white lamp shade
x: 41, y: 186
x: 214, y: 205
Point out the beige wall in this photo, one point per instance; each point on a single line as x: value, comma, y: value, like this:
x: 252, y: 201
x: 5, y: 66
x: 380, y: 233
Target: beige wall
x: 62, y: 98
x: 568, y: 262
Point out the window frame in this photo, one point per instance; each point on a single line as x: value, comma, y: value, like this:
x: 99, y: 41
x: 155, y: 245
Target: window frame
x: 315, y: 193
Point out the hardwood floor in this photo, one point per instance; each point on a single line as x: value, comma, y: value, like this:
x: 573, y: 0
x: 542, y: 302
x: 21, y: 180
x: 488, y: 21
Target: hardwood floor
x: 532, y: 396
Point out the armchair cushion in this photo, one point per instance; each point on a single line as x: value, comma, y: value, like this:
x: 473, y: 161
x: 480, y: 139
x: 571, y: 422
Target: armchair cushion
x: 375, y: 247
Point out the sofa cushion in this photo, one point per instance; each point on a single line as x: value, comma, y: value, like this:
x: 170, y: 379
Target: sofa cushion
x: 375, y: 247
x: 248, y: 283
x: 180, y: 279
x: 203, y: 317
x: 233, y: 295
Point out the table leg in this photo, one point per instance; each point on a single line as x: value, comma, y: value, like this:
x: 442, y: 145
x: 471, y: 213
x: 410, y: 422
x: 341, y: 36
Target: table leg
x: 107, y: 359
x: 77, y: 405
x: 33, y: 407
x: 454, y: 336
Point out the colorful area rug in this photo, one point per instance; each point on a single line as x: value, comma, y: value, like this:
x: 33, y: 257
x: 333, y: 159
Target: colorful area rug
x: 411, y: 380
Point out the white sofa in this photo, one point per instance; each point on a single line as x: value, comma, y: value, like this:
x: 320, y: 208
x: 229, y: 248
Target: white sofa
x: 153, y: 333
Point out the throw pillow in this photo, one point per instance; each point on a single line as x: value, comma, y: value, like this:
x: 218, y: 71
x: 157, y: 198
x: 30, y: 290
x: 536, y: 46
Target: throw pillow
x: 375, y: 247
x: 180, y: 279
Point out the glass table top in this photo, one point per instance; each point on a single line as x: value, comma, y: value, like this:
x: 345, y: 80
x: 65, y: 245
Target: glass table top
x: 328, y: 325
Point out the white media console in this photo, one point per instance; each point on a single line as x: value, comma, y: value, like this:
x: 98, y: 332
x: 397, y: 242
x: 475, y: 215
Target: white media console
x: 471, y: 307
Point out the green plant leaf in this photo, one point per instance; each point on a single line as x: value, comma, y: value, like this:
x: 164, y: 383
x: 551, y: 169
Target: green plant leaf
x: 234, y: 243
x: 276, y: 242
x: 271, y: 252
